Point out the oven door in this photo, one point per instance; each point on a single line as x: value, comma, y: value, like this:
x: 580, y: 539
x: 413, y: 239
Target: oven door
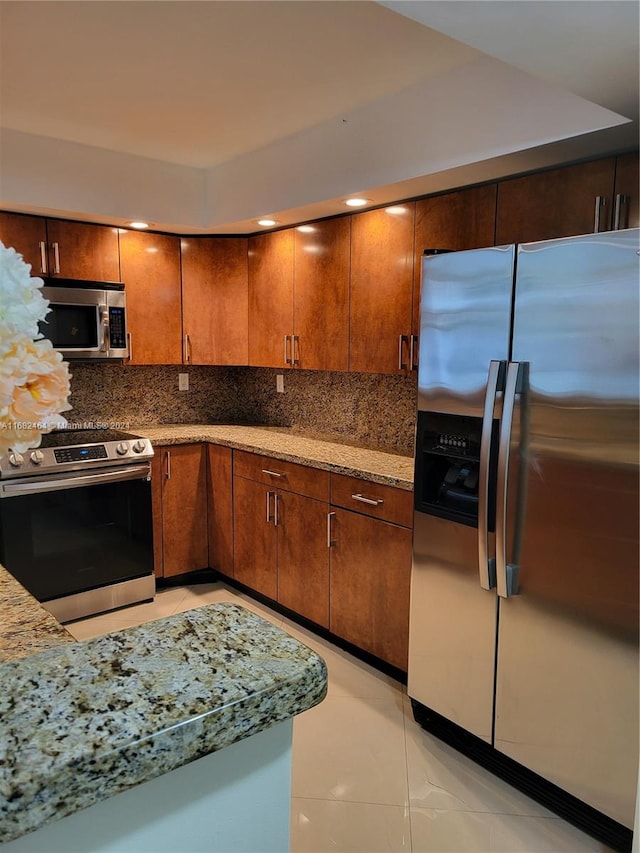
x: 68, y: 533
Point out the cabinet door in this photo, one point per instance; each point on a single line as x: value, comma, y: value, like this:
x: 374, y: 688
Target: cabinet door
x: 215, y: 294
x: 254, y: 536
x: 457, y: 221
x: 184, y: 509
x: 626, y: 191
x: 151, y: 275
x: 157, y: 481
x: 303, y: 556
x: 321, y: 294
x: 271, y: 299
x: 220, y: 507
x: 27, y: 235
x: 557, y: 203
x: 84, y: 251
x: 382, y: 244
x: 369, y: 576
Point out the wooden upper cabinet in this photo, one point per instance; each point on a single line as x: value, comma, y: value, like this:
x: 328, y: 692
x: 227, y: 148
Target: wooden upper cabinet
x: 271, y: 299
x: 382, y: 249
x: 27, y: 235
x: 321, y: 295
x: 556, y: 203
x: 215, y: 294
x: 84, y: 251
x: 626, y: 191
x: 151, y: 275
x: 460, y: 220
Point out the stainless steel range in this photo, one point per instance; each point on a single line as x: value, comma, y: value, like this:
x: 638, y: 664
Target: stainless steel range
x: 76, y: 521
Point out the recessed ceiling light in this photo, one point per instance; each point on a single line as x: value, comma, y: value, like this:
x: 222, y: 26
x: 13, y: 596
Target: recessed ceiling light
x: 267, y: 222
x: 138, y: 224
x: 357, y: 202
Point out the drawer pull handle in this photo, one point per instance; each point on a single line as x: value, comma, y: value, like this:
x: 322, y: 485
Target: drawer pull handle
x: 330, y: 540
x: 272, y: 473
x: 370, y: 501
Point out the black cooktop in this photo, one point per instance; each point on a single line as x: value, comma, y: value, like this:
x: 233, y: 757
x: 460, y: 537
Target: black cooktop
x: 69, y: 437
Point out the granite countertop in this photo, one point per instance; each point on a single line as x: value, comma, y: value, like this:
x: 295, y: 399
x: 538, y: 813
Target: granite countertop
x: 82, y: 721
x: 377, y: 466
x: 25, y: 626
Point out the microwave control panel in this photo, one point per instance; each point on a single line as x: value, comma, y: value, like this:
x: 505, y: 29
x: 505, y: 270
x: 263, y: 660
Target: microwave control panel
x: 117, y: 334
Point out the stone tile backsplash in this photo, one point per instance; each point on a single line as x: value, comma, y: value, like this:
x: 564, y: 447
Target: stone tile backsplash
x: 370, y: 409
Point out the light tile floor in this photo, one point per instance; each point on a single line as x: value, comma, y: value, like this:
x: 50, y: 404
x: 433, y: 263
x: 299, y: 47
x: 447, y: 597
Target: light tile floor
x: 366, y: 777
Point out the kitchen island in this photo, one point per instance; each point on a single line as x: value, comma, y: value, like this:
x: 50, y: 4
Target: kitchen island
x: 140, y: 740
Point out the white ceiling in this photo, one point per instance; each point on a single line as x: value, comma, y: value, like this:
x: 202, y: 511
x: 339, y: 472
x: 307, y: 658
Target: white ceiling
x: 202, y: 116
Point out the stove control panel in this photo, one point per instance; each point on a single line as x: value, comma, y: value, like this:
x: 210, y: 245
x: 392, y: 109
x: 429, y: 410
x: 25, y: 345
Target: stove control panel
x: 80, y: 454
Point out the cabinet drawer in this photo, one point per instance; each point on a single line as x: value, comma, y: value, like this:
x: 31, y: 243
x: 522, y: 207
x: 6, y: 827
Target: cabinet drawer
x: 386, y: 502
x: 288, y: 476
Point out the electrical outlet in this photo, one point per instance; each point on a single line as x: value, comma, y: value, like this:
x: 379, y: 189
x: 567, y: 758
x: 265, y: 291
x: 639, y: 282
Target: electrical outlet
x: 279, y: 383
x: 183, y: 382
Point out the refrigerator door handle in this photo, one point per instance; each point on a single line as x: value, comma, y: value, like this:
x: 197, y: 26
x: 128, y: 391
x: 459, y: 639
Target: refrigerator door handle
x: 487, y: 564
x: 506, y: 573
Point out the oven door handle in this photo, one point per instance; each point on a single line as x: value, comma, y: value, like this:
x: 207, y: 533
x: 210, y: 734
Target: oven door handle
x: 56, y: 482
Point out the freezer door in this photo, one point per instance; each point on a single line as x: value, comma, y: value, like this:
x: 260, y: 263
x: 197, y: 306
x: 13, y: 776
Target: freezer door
x: 465, y: 319
x: 567, y: 664
x: 452, y: 626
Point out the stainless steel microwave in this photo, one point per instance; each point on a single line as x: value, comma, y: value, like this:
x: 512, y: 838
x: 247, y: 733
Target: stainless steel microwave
x: 86, y: 320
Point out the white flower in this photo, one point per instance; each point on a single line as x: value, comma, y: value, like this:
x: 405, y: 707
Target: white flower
x: 22, y: 305
x: 34, y: 380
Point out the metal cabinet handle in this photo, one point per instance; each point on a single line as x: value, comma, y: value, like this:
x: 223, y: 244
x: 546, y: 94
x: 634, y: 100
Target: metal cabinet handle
x: 487, y: 564
x: 187, y: 350
x: 104, y: 313
x: 330, y: 542
x: 413, y: 361
x: 287, y: 359
x: 370, y: 501
x: 401, y: 364
x: 56, y: 258
x: 506, y: 573
x: 167, y: 470
x: 621, y: 201
x: 295, y: 349
x: 129, y: 346
x: 268, y: 519
x: 272, y: 473
x: 601, y: 201
x: 275, y: 508
x: 43, y: 256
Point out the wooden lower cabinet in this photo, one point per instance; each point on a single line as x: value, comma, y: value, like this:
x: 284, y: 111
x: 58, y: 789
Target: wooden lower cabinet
x: 180, y: 494
x: 303, y: 556
x: 369, y: 579
x: 281, y: 547
x: 220, y: 508
x: 255, y: 536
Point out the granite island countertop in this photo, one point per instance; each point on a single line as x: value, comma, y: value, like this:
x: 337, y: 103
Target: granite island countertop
x: 82, y: 721
x: 288, y: 444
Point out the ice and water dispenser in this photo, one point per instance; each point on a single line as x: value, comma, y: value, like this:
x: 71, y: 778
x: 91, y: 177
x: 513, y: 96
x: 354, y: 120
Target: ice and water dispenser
x: 448, y: 467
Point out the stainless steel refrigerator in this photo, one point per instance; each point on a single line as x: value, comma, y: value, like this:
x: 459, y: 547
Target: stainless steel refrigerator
x: 524, y: 596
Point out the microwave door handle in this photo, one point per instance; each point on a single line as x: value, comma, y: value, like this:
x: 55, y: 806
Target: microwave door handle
x: 104, y: 314
x: 487, y: 564
x: 506, y: 573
